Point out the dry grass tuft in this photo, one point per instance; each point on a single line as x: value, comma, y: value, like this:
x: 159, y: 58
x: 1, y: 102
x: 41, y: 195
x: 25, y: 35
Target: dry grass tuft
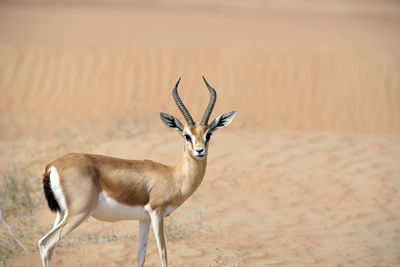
x: 19, y: 195
x: 19, y: 191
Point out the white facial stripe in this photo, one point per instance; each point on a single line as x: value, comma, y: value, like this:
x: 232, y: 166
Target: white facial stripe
x: 205, y: 135
x: 192, y: 137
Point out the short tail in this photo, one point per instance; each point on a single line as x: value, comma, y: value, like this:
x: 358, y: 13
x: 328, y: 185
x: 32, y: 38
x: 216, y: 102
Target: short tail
x: 51, y: 201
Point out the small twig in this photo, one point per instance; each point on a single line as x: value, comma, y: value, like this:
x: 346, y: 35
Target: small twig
x: 11, y: 233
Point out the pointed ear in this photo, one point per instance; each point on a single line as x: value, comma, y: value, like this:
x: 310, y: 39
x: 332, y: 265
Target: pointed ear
x: 171, y: 122
x: 222, y: 121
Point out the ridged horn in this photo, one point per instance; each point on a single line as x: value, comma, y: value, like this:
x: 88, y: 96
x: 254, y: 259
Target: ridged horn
x: 181, y: 106
x: 210, y: 107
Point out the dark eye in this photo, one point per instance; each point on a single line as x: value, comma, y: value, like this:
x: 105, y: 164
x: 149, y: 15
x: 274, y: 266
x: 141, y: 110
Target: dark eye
x: 208, y: 135
x: 188, y: 138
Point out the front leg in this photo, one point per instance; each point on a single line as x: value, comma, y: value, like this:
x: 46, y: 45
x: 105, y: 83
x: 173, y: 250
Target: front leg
x: 144, y: 227
x: 157, y: 220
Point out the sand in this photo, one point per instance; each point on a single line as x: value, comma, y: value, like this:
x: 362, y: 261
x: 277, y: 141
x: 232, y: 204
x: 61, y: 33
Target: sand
x: 308, y: 173
x: 268, y: 198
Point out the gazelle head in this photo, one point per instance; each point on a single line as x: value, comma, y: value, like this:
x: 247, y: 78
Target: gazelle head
x: 197, y: 135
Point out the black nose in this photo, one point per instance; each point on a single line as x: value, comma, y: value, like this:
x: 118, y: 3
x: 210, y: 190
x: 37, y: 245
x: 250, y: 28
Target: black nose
x: 199, y: 150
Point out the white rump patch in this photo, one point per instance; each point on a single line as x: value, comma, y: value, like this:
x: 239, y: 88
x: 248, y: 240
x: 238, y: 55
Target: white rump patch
x: 56, y: 188
x: 110, y: 210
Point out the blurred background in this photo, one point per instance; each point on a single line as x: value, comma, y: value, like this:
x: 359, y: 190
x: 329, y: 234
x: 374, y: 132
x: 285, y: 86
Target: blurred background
x: 316, y: 84
x: 284, y: 65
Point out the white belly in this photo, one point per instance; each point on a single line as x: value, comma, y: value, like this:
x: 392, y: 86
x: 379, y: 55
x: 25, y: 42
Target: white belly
x: 110, y: 210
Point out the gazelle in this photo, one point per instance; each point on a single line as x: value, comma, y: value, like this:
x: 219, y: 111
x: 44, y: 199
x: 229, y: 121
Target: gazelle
x: 77, y: 186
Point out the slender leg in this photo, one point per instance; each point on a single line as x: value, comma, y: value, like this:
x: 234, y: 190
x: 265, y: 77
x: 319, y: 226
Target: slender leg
x: 49, y: 241
x: 59, y: 218
x: 157, y: 221
x: 49, y: 238
x: 144, y: 227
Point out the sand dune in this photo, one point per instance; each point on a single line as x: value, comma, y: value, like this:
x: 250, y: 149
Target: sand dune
x: 357, y: 92
x: 295, y: 71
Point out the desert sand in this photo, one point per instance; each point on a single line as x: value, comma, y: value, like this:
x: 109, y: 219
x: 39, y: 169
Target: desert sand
x: 307, y: 174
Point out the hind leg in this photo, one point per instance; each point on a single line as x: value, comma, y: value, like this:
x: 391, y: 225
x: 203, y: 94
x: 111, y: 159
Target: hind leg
x: 44, y: 241
x: 41, y: 243
x: 50, y: 240
x: 59, y: 218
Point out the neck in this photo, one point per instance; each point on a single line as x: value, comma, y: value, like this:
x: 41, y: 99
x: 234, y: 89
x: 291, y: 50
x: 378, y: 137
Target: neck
x: 191, y: 172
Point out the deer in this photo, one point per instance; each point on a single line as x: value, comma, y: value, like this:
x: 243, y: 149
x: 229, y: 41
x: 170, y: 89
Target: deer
x: 78, y: 185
